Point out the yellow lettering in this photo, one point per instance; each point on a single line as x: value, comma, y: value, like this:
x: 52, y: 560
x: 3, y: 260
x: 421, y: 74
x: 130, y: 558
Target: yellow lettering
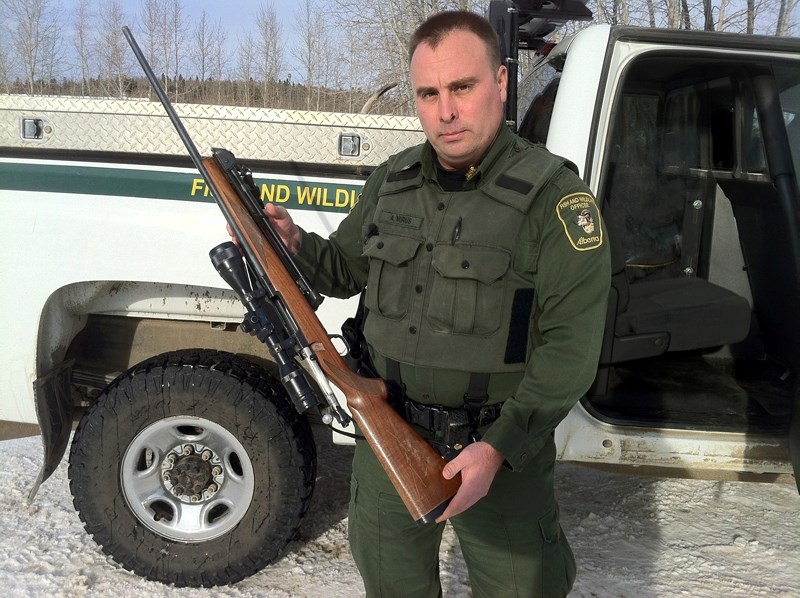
x: 345, y: 198
x: 324, y: 200
x: 585, y: 240
x: 275, y: 193
x: 197, y: 185
x: 579, y: 206
x: 283, y: 194
x: 306, y: 195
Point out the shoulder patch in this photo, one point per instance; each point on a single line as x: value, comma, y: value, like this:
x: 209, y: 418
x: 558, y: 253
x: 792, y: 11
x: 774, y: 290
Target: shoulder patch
x: 580, y: 217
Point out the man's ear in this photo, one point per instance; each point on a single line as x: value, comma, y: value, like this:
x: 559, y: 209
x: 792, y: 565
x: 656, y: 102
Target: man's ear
x: 502, y: 81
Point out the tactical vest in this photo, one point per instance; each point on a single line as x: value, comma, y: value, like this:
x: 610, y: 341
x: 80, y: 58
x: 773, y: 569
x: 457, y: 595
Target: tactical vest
x: 447, y: 287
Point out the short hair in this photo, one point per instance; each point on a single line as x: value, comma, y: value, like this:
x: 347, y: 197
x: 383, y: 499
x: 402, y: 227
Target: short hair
x: 434, y: 30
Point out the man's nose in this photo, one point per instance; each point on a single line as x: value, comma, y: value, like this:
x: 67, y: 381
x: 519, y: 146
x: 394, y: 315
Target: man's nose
x: 447, y: 108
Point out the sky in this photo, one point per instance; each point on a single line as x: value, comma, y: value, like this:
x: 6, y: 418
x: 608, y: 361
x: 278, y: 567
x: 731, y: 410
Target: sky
x: 235, y: 16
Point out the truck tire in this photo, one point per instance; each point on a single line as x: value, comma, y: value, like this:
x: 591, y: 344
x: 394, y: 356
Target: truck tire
x: 193, y: 468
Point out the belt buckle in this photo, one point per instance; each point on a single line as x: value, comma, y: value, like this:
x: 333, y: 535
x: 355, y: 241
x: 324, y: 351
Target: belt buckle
x: 456, y: 433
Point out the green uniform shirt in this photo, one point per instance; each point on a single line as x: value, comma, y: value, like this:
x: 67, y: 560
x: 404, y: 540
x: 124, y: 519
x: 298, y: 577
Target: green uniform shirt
x: 508, y: 276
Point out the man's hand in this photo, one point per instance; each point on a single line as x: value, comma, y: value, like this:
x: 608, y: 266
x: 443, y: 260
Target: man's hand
x: 478, y: 464
x: 283, y: 224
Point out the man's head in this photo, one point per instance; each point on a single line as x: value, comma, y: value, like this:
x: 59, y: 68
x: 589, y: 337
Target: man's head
x: 459, y: 85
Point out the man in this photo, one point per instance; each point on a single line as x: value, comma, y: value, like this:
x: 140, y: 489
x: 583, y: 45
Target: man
x: 486, y: 292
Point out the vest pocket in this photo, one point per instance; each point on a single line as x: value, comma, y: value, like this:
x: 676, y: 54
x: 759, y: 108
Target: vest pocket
x: 390, y: 274
x: 466, y: 294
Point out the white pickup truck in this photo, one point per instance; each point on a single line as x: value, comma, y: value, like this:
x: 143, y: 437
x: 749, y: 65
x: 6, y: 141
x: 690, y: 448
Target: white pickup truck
x: 189, y: 464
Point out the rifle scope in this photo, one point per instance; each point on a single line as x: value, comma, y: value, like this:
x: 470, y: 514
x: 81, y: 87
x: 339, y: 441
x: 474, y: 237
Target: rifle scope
x: 262, y: 321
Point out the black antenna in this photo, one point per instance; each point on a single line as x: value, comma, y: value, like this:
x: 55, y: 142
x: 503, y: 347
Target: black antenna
x: 184, y: 135
x: 162, y: 96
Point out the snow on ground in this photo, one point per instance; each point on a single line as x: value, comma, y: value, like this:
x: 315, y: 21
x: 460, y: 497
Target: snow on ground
x: 632, y: 537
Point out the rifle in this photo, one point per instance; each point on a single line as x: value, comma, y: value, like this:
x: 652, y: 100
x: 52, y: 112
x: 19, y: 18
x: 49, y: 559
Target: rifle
x: 280, y: 306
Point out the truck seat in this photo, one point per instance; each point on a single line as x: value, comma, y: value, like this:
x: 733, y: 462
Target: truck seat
x: 672, y: 311
x: 678, y: 314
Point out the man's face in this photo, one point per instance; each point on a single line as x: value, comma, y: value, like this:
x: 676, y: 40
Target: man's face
x: 459, y: 96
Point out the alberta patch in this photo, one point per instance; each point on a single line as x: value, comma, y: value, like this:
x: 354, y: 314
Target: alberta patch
x: 581, y: 219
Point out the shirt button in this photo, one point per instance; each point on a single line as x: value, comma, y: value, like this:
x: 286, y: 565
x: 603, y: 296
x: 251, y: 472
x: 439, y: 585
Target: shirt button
x: 380, y: 245
x: 418, y: 288
x: 429, y: 246
x: 465, y: 265
x: 440, y: 207
x: 412, y: 329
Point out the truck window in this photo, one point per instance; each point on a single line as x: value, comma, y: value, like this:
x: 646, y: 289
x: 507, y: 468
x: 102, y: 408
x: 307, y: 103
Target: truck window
x: 644, y: 204
x: 790, y: 103
x: 537, y: 92
x: 674, y: 135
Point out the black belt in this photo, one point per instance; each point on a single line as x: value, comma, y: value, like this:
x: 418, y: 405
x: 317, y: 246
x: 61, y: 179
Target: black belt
x: 452, y: 428
x: 438, y: 418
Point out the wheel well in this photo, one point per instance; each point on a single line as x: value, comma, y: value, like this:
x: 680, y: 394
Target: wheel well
x: 90, y: 332
x: 109, y: 345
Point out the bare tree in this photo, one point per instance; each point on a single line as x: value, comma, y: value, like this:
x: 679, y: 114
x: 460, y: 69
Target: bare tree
x: 175, y: 34
x: 152, y: 19
x: 246, y: 66
x: 621, y: 10
x: 81, y: 42
x: 219, y: 63
x: 268, y: 47
x: 602, y: 14
x: 310, y: 51
x: 5, y: 75
x: 203, y: 57
x: 33, y: 29
x: 111, y: 50
x: 651, y: 13
x: 165, y: 29
x: 685, y: 18
x: 200, y: 51
x: 785, y: 11
x: 382, y: 30
x: 673, y: 13
x: 708, y: 16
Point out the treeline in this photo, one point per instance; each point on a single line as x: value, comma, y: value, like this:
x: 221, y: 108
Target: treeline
x: 75, y: 47
x: 276, y: 94
x: 333, y: 54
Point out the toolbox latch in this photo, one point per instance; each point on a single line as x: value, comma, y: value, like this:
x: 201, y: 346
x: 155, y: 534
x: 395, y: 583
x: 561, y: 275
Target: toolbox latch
x: 32, y: 128
x: 349, y: 145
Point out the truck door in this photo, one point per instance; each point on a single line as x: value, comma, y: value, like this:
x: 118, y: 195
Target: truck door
x: 700, y: 198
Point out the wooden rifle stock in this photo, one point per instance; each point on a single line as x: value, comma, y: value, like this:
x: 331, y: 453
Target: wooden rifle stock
x: 412, y: 464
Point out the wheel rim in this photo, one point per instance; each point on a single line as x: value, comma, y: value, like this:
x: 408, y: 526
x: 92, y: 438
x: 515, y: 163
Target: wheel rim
x: 187, y: 479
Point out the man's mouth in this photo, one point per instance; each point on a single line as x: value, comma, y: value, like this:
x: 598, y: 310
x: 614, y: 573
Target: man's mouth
x: 452, y: 135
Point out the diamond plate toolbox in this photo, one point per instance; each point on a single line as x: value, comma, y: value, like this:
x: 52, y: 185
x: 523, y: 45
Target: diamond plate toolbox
x: 142, y: 127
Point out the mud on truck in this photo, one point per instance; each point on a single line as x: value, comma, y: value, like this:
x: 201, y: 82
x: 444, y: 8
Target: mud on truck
x: 190, y: 465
